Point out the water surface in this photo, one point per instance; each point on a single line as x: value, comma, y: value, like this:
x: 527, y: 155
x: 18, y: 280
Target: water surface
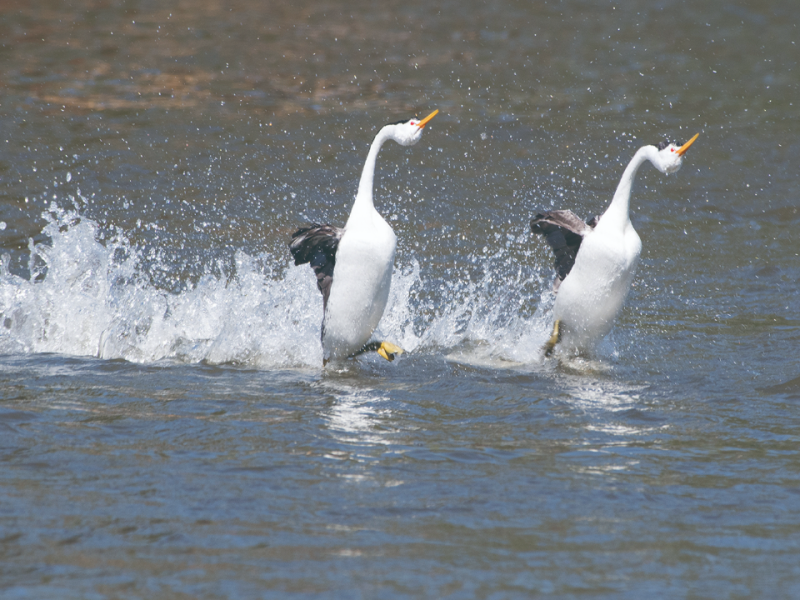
x: 167, y: 427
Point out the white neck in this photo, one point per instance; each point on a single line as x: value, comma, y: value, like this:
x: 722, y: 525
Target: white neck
x: 618, y: 210
x: 364, y: 204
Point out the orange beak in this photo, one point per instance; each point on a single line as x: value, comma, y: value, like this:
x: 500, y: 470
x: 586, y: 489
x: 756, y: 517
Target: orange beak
x: 424, y: 121
x: 685, y: 147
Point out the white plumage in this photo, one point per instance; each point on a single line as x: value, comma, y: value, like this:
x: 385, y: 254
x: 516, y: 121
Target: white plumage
x: 596, y: 261
x: 354, y: 265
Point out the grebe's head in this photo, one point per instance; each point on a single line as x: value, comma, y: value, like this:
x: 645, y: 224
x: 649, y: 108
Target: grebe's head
x: 408, y: 133
x: 670, y: 155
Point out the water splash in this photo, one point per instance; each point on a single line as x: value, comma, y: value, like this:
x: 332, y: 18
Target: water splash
x: 482, y: 321
x: 87, y: 296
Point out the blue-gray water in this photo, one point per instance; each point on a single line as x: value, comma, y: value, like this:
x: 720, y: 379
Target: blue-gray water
x: 167, y: 427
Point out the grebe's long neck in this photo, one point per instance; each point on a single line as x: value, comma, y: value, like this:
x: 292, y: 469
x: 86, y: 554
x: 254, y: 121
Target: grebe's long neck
x: 618, y: 210
x: 364, y: 206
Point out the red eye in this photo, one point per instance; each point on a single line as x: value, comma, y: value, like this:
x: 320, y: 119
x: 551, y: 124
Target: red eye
x: 672, y: 149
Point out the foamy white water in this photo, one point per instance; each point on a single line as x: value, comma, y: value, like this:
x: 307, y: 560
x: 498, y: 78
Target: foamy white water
x: 82, y: 300
x: 87, y: 297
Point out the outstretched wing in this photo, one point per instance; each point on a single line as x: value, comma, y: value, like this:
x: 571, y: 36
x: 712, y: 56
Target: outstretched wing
x: 563, y: 231
x: 317, y: 244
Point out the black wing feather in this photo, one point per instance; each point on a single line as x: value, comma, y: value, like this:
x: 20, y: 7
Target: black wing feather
x: 563, y: 231
x: 316, y: 245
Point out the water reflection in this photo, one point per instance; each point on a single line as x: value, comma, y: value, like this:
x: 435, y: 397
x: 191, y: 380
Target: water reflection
x: 358, y: 418
x: 606, y: 395
x: 616, y: 426
x: 357, y: 423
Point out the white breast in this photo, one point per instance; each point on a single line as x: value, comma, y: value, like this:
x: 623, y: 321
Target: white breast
x: 594, y: 292
x: 361, y: 281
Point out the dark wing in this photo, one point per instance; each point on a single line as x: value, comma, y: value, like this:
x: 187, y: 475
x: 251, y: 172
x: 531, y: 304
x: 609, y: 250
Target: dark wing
x: 563, y: 231
x: 317, y: 244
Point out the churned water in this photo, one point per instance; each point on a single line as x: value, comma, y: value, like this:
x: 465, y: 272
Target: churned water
x: 168, y: 429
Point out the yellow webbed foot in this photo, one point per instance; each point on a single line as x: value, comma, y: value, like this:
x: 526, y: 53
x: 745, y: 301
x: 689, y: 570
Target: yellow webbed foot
x: 388, y: 350
x: 554, y: 339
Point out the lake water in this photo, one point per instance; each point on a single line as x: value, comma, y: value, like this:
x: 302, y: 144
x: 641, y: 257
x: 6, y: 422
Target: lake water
x: 167, y: 427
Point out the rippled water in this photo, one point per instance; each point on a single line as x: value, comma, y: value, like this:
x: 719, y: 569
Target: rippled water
x: 167, y: 427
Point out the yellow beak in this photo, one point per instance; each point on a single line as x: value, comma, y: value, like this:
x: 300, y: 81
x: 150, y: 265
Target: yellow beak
x: 424, y: 121
x: 685, y: 147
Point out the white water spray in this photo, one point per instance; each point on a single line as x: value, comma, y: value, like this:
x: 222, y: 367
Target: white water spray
x: 85, y: 297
